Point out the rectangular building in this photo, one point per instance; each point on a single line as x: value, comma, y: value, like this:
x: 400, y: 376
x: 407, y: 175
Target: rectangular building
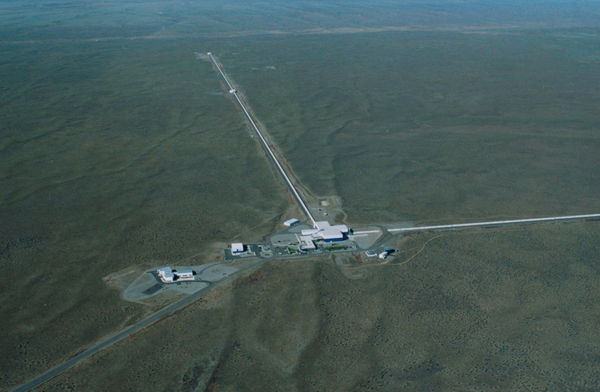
x: 324, y: 231
x: 291, y: 222
x: 237, y: 248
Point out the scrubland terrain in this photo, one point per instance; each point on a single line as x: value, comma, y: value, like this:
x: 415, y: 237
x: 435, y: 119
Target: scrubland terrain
x: 119, y: 150
x: 111, y: 157
x: 489, y: 310
x: 444, y: 127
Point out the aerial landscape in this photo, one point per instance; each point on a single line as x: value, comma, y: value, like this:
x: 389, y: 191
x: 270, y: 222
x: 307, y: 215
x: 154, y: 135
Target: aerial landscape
x: 299, y: 196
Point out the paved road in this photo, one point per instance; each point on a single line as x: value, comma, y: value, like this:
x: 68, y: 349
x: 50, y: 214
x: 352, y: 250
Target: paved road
x: 161, y: 314
x: 265, y: 144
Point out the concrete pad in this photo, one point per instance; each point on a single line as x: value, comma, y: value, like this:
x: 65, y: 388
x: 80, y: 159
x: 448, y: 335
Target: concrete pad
x: 299, y: 228
x: 365, y: 237
x: 135, y: 291
x: 148, y: 284
x: 186, y: 287
x: 215, y: 272
x: 280, y: 240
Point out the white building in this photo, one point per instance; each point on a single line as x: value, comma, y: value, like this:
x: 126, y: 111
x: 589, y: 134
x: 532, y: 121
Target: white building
x: 184, y: 275
x: 306, y: 242
x: 166, y: 274
x: 291, y: 222
x: 324, y: 231
x: 383, y: 255
x: 237, y: 248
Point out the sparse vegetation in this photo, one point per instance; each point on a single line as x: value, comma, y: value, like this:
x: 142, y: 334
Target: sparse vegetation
x: 338, y: 247
x: 119, y: 152
x: 111, y: 157
x: 463, y: 314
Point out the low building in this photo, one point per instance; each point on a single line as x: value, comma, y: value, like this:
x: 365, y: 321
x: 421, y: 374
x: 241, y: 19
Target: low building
x: 166, y: 274
x: 306, y: 242
x: 237, y: 248
x: 324, y: 231
x: 371, y: 253
x: 383, y: 255
x: 291, y: 222
x: 184, y: 275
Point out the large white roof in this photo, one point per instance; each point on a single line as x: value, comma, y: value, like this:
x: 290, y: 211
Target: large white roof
x: 237, y: 247
x: 291, y: 222
x: 325, y: 231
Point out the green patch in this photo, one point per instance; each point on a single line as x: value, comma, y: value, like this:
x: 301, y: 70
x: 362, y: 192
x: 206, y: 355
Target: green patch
x: 338, y: 247
x: 292, y: 251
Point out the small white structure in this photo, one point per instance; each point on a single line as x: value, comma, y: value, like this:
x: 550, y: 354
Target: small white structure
x: 326, y: 232
x: 383, y: 255
x: 291, y: 222
x: 237, y: 248
x: 166, y: 274
x: 184, y: 275
x: 233, y: 91
x: 371, y: 253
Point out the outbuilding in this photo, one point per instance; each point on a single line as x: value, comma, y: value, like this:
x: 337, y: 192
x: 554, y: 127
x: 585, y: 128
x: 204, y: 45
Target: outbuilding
x: 184, y: 275
x: 291, y: 222
x: 237, y: 248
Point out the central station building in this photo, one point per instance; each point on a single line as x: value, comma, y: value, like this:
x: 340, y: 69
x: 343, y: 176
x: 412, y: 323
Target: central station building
x: 323, y: 231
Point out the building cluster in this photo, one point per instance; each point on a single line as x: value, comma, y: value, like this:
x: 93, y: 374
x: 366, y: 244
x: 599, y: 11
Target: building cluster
x: 322, y: 231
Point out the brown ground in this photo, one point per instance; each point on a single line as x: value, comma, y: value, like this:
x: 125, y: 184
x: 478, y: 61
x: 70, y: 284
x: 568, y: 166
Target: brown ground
x: 487, y: 310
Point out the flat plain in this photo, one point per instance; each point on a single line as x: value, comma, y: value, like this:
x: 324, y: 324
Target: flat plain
x: 489, y: 310
x: 113, y: 156
x: 120, y: 149
x: 434, y: 126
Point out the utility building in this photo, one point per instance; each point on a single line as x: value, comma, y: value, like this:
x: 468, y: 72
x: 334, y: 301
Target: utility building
x: 237, y: 248
x: 185, y: 275
x: 291, y: 222
x: 167, y: 275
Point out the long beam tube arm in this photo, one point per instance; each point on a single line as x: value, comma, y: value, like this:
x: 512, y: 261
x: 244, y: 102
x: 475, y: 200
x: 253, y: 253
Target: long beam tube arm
x: 497, y: 223
x: 265, y: 144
